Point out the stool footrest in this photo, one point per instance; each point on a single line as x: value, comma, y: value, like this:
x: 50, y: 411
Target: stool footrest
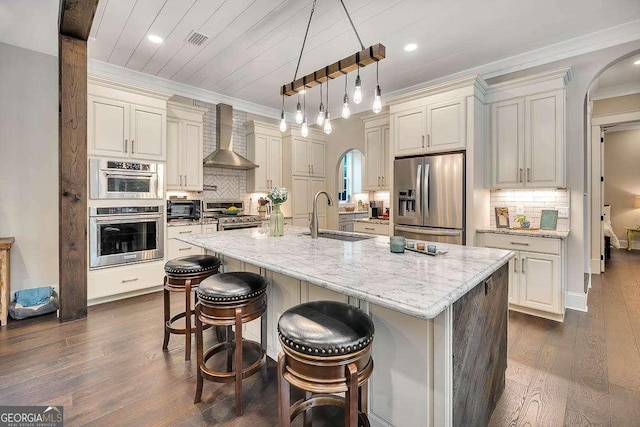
x: 304, y: 405
x: 229, y: 377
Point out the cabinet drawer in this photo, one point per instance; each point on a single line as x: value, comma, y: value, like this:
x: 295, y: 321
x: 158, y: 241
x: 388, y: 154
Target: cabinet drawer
x: 117, y: 280
x: 173, y: 232
x: 209, y: 228
x: 177, y: 249
x: 371, y: 228
x: 523, y: 243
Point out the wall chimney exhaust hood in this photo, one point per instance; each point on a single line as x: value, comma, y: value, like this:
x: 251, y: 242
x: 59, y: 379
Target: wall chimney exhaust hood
x: 224, y: 156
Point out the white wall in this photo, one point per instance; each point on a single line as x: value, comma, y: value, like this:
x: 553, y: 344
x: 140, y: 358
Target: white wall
x: 29, y: 164
x: 585, y: 69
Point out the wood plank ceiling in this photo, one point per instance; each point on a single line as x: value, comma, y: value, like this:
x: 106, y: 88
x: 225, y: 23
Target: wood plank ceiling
x: 252, y: 45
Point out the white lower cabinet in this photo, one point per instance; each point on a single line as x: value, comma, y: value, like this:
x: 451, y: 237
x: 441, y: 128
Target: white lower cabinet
x: 176, y: 248
x: 303, y: 190
x: 107, y: 284
x: 371, y: 228
x: 537, y: 275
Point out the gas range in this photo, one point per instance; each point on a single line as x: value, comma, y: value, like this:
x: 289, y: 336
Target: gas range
x: 212, y: 211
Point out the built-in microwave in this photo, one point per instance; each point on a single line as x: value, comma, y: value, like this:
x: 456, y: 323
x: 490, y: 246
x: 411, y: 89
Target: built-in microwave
x: 115, y: 179
x: 183, y: 210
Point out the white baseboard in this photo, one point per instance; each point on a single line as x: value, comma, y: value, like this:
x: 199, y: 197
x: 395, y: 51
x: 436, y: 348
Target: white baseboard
x: 375, y: 420
x: 125, y: 295
x: 577, y: 301
x: 594, y: 266
x: 625, y: 245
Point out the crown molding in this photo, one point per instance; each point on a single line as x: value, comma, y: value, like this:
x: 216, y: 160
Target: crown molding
x: 602, y: 39
x: 615, y: 91
x: 448, y: 84
x: 113, y: 73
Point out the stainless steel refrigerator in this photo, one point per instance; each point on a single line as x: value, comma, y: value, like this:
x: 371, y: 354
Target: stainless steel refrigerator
x: 429, y: 198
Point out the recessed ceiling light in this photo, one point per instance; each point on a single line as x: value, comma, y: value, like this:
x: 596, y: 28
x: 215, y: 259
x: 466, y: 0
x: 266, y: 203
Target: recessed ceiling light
x: 411, y: 47
x: 155, y: 39
x: 637, y: 62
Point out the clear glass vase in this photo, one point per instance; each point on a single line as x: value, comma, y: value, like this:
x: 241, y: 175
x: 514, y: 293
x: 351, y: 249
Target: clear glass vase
x: 276, y: 222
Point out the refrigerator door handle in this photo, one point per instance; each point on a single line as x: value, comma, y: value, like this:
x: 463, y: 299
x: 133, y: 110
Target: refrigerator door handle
x: 430, y: 232
x: 418, y: 207
x: 425, y: 191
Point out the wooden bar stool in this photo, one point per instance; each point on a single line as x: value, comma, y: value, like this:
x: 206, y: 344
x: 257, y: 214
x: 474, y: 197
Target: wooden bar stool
x: 231, y: 299
x: 326, y: 348
x: 184, y: 275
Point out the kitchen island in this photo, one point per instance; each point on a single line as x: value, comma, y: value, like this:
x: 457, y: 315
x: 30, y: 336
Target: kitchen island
x: 441, y: 322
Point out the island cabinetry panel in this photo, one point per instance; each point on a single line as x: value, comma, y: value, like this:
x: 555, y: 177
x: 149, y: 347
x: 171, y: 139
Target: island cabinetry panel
x: 438, y: 126
x: 177, y: 248
x: 480, y: 350
x: 184, y: 147
x: 264, y: 148
x: 527, y: 133
x: 400, y: 388
x: 125, y: 122
x: 537, y: 275
x: 310, y: 293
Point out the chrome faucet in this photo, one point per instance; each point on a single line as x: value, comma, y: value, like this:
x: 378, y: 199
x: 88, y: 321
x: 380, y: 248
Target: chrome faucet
x: 314, y: 216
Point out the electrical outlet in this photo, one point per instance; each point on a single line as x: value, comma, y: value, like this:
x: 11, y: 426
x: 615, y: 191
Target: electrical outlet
x: 563, y: 211
x: 520, y: 210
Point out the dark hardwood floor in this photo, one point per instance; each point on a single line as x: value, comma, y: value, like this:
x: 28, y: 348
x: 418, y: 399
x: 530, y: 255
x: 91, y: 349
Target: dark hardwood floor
x: 109, y: 369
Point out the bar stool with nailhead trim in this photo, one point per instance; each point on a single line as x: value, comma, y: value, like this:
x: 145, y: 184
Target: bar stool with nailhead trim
x: 184, y: 275
x: 226, y: 300
x: 326, y: 348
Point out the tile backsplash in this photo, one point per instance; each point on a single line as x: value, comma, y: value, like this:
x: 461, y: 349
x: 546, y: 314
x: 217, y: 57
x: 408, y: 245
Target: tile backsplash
x: 530, y: 203
x: 230, y: 183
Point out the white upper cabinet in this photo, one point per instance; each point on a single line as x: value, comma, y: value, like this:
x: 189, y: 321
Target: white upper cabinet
x: 184, y: 147
x: 377, y: 152
x: 436, y: 127
x: 528, y: 132
x: 125, y: 122
x: 264, y: 148
x: 306, y: 155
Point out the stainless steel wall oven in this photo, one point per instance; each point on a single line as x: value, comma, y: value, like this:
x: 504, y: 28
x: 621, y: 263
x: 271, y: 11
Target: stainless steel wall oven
x: 125, y: 234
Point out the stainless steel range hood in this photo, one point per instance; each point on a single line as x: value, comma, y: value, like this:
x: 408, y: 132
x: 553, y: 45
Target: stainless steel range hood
x: 224, y: 156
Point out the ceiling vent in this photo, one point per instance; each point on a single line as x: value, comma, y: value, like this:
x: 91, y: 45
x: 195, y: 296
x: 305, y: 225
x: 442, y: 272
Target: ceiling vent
x: 196, y: 38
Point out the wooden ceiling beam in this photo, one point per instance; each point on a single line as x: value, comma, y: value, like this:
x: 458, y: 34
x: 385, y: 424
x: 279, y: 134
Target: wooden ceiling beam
x: 365, y: 57
x: 76, y: 17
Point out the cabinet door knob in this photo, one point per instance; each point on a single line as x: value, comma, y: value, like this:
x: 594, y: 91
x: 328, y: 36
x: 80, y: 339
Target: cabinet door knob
x: 378, y: 181
x: 515, y: 265
x: 185, y: 249
x: 522, y: 262
x: 520, y: 175
x: 428, y: 140
x: 129, y: 280
x: 132, y: 150
x: 422, y: 141
x: 528, y: 174
x: 126, y: 145
x: 185, y: 180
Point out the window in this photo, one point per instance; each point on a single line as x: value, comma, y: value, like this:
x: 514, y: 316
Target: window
x: 350, y: 176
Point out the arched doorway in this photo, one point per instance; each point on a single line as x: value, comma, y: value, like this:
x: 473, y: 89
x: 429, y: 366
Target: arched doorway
x: 612, y: 105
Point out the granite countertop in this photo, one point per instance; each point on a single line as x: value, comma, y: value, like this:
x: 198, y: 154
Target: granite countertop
x: 549, y: 234
x: 372, y: 220
x: 415, y: 284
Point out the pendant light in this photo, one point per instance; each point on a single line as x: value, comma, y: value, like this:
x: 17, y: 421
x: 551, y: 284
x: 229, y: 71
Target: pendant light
x: 346, y: 111
x: 377, y: 101
x: 304, y: 131
x: 327, y: 120
x: 320, y: 118
x: 357, y: 92
x: 283, y: 122
x: 299, y: 112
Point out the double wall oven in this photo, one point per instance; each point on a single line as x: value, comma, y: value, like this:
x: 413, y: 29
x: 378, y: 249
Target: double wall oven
x: 130, y: 228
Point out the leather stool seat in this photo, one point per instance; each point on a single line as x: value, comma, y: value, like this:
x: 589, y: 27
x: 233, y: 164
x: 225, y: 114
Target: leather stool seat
x: 233, y: 286
x: 325, y: 328
x: 192, y: 264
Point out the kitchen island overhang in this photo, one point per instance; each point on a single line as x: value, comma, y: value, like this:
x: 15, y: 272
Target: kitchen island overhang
x: 440, y: 344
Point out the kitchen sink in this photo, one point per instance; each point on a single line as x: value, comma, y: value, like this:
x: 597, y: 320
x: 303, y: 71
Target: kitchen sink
x: 343, y: 237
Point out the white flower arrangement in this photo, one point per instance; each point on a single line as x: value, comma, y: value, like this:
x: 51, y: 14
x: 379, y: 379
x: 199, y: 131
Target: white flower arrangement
x: 278, y: 195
